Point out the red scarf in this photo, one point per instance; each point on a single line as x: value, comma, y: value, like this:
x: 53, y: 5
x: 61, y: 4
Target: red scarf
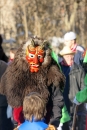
x: 74, y: 48
x: 65, y: 64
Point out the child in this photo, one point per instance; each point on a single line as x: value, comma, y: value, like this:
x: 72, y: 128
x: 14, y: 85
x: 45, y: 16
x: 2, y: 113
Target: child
x: 34, y: 111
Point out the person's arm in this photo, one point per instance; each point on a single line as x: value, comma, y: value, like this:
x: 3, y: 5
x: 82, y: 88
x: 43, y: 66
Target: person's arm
x: 81, y: 96
x: 82, y: 76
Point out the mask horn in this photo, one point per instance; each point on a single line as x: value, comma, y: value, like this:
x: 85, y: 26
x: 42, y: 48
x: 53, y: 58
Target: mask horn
x: 45, y: 44
x: 32, y: 42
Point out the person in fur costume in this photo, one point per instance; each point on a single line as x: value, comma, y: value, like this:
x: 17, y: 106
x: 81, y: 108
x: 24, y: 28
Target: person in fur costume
x: 34, y: 70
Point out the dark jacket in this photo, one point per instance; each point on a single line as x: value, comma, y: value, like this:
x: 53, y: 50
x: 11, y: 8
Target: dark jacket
x: 3, y: 66
x: 3, y: 55
x: 54, y: 106
x: 5, y: 123
x: 75, y: 84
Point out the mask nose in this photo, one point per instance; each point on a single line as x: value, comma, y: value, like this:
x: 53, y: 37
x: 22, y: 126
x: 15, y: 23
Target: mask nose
x: 36, y: 61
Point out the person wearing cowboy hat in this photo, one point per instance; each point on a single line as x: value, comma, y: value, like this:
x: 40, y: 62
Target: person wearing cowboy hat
x: 70, y: 41
x: 74, y: 74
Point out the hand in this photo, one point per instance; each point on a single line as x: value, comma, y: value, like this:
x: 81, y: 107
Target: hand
x: 51, y: 127
x: 16, y: 127
x: 76, y: 102
x: 60, y: 126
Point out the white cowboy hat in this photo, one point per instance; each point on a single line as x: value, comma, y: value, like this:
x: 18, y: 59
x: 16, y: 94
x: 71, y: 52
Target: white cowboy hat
x: 66, y: 51
x: 69, y: 36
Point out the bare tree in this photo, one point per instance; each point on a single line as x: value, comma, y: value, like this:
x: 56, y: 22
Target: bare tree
x: 7, y: 21
x: 45, y: 18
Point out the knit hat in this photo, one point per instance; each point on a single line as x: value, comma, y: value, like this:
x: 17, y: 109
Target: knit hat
x: 69, y: 36
x: 3, y: 66
x: 66, y: 51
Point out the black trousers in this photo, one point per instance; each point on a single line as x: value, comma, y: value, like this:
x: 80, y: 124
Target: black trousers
x: 81, y: 123
x: 5, y: 123
x: 65, y: 126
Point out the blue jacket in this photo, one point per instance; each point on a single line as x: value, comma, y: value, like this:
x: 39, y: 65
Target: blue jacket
x: 35, y: 125
x: 78, y: 58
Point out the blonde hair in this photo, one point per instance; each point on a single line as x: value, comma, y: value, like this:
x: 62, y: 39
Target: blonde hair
x: 34, y: 106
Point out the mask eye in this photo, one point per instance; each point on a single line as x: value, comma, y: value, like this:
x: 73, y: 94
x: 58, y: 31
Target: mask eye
x: 31, y: 55
x: 40, y: 56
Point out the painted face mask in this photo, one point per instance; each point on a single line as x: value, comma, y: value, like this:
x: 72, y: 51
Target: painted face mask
x: 35, y: 56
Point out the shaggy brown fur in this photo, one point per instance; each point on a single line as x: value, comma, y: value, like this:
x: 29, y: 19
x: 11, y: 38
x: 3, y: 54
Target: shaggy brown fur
x: 18, y: 81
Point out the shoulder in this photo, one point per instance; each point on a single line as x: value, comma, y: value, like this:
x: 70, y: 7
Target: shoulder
x: 55, y: 76
x: 77, y: 71
x: 80, y: 48
x: 79, y: 67
x: 79, y: 54
x: 3, y: 63
x: 3, y: 66
x: 75, y: 65
x: 50, y: 127
x: 33, y: 125
x: 22, y: 126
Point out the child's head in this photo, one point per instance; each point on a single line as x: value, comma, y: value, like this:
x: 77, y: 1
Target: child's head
x: 12, y: 53
x: 34, y: 107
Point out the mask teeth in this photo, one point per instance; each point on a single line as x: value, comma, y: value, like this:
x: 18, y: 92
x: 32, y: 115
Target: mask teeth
x: 34, y: 65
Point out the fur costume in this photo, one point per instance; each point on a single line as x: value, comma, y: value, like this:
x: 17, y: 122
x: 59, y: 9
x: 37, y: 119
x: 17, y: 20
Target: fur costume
x: 23, y: 76
x: 18, y: 81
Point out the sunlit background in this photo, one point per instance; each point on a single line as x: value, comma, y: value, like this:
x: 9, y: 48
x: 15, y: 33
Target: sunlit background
x: 49, y: 19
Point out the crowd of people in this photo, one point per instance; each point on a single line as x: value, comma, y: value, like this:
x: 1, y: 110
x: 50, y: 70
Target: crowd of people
x: 42, y: 90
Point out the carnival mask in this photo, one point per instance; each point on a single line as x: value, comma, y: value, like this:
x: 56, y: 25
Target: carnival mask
x: 35, y: 56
